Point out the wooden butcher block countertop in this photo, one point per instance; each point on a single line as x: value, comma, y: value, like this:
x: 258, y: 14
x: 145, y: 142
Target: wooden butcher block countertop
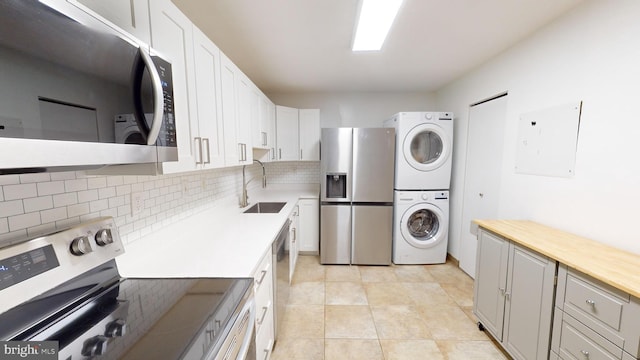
x: 618, y: 268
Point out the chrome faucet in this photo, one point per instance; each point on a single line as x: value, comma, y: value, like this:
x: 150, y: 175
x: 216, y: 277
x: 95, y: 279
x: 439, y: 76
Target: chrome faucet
x: 244, y: 200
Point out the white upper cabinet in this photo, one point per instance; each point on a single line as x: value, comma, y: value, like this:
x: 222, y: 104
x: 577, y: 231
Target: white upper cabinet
x: 131, y: 16
x: 258, y: 123
x: 209, y: 139
x: 309, y: 123
x: 271, y: 126
x: 172, y: 37
x: 247, y: 106
x: 287, y: 133
x: 228, y: 84
x: 298, y: 134
x: 236, y: 112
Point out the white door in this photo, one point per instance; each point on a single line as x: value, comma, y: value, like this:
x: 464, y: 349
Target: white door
x: 485, y: 141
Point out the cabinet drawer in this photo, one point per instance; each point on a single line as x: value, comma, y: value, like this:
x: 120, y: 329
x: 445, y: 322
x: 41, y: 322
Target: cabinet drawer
x: 595, y: 301
x: 263, y: 278
x: 264, y: 336
x: 579, y: 342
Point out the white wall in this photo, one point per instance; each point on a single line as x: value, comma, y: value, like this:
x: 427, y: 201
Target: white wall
x: 356, y: 109
x: 591, y: 54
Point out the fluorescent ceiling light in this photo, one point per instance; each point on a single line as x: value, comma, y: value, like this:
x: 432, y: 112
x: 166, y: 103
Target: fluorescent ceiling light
x: 376, y: 17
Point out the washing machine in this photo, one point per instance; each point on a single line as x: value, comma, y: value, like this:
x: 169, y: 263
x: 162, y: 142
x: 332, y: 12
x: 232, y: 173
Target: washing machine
x: 420, y: 227
x: 424, y: 141
x: 127, y: 130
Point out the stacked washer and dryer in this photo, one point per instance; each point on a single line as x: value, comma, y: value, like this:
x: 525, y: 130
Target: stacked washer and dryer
x: 424, y: 141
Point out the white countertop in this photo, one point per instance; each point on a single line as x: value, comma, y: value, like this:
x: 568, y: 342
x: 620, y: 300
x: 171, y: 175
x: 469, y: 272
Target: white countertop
x: 219, y: 242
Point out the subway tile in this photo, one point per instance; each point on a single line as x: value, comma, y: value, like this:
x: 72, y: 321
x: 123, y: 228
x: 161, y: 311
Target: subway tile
x: 50, y: 188
x: 67, y: 175
x: 130, y: 179
x: 123, y: 190
x: 99, y: 205
x: 65, y: 199
x: 38, y: 203
x: 97, y: 182
x: 87, y: 195
x: 78, y: 209
x: 107, y: 192
x: 53, y: 214
x: 9, y: 179
x: 115, y: 180
x: 34, y: 178
x: 75, y: 185
x: 24, y: 221
x: 4, y: 225
x: 21, y: 191
x: 10, y: 208
x: 116, y: 201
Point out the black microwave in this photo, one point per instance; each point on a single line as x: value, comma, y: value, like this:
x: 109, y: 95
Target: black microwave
x: 66, y: 82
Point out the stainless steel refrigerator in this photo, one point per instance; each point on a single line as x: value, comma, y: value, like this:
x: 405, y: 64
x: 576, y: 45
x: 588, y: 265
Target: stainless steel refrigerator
x: 356, y: 201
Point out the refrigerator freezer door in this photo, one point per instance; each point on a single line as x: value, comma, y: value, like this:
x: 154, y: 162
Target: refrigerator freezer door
x: 372, y: 235
x: 373, y: 164
x: 335, y: 234
x: 336, y: 146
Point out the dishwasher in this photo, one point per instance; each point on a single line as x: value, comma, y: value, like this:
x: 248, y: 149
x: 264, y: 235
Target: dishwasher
x: 280, y: 276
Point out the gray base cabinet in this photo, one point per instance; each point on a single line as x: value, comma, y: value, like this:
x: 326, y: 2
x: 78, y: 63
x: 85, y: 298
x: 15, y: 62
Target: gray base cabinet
x: 594, y: 320
x: 514, y: 296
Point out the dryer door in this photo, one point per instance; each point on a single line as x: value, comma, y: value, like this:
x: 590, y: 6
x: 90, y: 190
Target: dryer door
x: 426, y: 147
x: 423, y: 225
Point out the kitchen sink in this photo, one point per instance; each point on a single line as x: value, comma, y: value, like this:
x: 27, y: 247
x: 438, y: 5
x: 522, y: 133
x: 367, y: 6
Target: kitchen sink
x: 265, y: 208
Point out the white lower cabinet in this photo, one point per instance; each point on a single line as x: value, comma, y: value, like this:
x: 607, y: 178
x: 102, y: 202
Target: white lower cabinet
x: 309, y: 210
x: 514, y: 289
x: 263, y: 290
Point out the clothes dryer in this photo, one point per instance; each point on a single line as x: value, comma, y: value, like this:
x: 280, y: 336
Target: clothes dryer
x: 424, y: 141
x: 420, y: 229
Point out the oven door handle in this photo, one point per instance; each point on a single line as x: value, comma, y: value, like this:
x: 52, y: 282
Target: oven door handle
x: 246, y: 343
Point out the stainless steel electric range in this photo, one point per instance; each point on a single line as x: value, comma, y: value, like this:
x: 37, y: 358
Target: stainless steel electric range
x: 65, y: 287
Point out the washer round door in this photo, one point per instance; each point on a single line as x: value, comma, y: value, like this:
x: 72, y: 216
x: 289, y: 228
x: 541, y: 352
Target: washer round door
x: 423, y: 225
x: 426, y: 147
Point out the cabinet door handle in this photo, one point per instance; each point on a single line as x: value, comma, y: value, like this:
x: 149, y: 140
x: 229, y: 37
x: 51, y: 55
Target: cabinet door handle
x: 294, y: 235
x: 280, y: 154
x: 585, y: 353
x: 198, y: 141
x: 266, y: 354
x: 502, y: 291
x: 591, y: 303
x: 273, y: 154
x: 507, y: 296
x: 300, y: 154
x: 264, y: 313
x: 262, y: 275
x: 208, y: 152
x: 264, y: 138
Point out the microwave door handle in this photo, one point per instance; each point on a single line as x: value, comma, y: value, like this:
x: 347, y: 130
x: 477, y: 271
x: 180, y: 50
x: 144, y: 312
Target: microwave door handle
x: 158, y: 103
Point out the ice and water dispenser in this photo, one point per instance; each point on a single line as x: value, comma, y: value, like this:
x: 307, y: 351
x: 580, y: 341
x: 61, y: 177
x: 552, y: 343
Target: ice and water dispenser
x: 336, y: 185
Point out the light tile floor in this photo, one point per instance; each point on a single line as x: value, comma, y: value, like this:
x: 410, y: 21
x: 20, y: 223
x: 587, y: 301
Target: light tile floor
x: 398, y: 312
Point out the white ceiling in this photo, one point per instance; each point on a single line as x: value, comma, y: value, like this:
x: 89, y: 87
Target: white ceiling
x: 305, y: 45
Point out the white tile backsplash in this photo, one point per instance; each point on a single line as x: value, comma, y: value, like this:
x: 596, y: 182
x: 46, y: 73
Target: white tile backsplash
x: 19, y: 191
x: 33, y: 204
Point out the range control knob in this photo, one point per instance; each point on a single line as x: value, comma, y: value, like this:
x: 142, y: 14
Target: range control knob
x: 80, y: 246
x: 95, y: 346
x: 428, y: 116
x: 116, y: 328
x: 104, y: 237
